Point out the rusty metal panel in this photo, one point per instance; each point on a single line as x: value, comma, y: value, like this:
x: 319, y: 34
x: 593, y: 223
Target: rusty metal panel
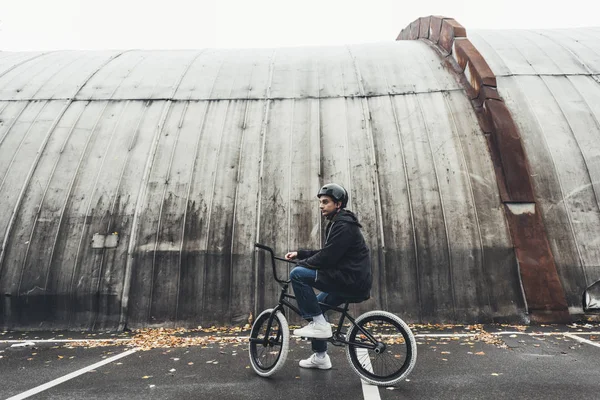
x: 551, y: 88
x: 560, y: 139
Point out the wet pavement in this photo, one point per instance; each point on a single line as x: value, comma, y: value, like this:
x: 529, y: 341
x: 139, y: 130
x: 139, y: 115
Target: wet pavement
x: 460, y: 362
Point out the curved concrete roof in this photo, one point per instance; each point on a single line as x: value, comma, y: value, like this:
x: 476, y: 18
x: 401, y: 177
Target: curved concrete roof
x: 221, y: 74
x: 192, y: 156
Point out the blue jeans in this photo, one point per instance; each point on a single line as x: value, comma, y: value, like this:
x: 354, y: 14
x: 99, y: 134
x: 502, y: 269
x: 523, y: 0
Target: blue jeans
x: 303, y: 281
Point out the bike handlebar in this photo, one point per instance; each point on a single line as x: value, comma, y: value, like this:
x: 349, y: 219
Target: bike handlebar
x: 273, y: 258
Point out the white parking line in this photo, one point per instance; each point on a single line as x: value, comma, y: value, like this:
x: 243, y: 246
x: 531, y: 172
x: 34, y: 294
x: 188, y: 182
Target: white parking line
x: 582, y: 340
x: 63, y: 340
x: 70, y: 376
x: 441, y: 335
x: 370, y: 392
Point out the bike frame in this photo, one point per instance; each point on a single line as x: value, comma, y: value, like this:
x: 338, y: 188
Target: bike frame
x: 283, y: 302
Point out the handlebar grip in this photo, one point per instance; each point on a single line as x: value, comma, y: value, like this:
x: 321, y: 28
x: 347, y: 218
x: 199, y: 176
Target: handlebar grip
x: 262, y: 246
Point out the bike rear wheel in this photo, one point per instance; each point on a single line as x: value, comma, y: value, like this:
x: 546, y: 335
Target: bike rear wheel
x: 269, y: 352
x: 389, y: 355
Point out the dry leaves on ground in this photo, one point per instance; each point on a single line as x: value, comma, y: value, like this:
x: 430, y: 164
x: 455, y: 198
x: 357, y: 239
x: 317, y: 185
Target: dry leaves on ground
x: 147, y: 339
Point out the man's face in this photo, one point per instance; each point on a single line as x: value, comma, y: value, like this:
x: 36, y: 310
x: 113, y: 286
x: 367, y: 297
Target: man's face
x: 328, y: 206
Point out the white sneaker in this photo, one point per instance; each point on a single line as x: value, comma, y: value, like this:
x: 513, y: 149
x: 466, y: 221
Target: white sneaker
x: 316, y: 362
x: 315, y: 331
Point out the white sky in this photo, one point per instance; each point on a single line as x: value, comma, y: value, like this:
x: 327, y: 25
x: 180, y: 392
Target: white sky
x: 180, y: 24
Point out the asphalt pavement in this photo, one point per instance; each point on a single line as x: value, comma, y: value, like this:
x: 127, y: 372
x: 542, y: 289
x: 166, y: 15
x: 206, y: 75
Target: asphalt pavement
x: 460, y: 362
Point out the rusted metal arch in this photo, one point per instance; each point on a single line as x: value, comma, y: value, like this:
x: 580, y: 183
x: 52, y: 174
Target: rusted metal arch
x: 544, y: 293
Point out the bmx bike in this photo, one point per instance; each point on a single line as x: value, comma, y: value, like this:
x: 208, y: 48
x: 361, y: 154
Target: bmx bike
x: 380, y: 347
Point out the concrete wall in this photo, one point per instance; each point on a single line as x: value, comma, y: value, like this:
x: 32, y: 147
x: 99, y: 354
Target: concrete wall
x: 189, y: 157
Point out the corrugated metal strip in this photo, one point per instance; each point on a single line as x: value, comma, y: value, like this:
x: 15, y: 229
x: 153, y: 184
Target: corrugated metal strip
x: 410, y: 205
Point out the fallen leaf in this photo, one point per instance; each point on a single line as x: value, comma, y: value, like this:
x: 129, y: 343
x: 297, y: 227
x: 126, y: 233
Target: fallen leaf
x: 480, y: 353
x: 146, y: 376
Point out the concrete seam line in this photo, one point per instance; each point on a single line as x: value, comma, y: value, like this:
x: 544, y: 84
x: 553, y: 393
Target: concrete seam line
x: 421, y: 335
x: 64, y: 340
x: 70, y: 376
x: 370, y: 392
x: 582, y: 340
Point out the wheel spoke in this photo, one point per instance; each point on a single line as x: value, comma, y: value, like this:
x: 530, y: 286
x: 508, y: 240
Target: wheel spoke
x: 395, y: 358
x: 268, y: 351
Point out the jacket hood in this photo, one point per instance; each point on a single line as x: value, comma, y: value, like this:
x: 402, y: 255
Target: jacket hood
x: 346, y: 216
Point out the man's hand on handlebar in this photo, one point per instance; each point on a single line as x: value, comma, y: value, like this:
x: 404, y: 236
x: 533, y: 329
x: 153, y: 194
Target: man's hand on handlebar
x: 291, y: 255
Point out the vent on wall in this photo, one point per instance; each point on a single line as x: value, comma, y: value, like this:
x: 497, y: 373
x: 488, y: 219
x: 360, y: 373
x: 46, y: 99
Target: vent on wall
x: 105, y: 241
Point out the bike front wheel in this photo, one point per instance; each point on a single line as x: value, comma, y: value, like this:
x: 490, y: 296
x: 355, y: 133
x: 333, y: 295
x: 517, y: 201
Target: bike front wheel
x: 381, y: 348
x: 268, y: 351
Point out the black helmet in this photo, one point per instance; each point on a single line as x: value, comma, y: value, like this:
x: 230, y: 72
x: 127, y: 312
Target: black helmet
x: 336, y: 192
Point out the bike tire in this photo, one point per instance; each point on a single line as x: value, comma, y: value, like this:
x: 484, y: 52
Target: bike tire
x: 394, y: 361
x: 268, y: 359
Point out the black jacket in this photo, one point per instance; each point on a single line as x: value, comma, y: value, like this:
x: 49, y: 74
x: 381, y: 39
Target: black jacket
x: 344, y: 263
